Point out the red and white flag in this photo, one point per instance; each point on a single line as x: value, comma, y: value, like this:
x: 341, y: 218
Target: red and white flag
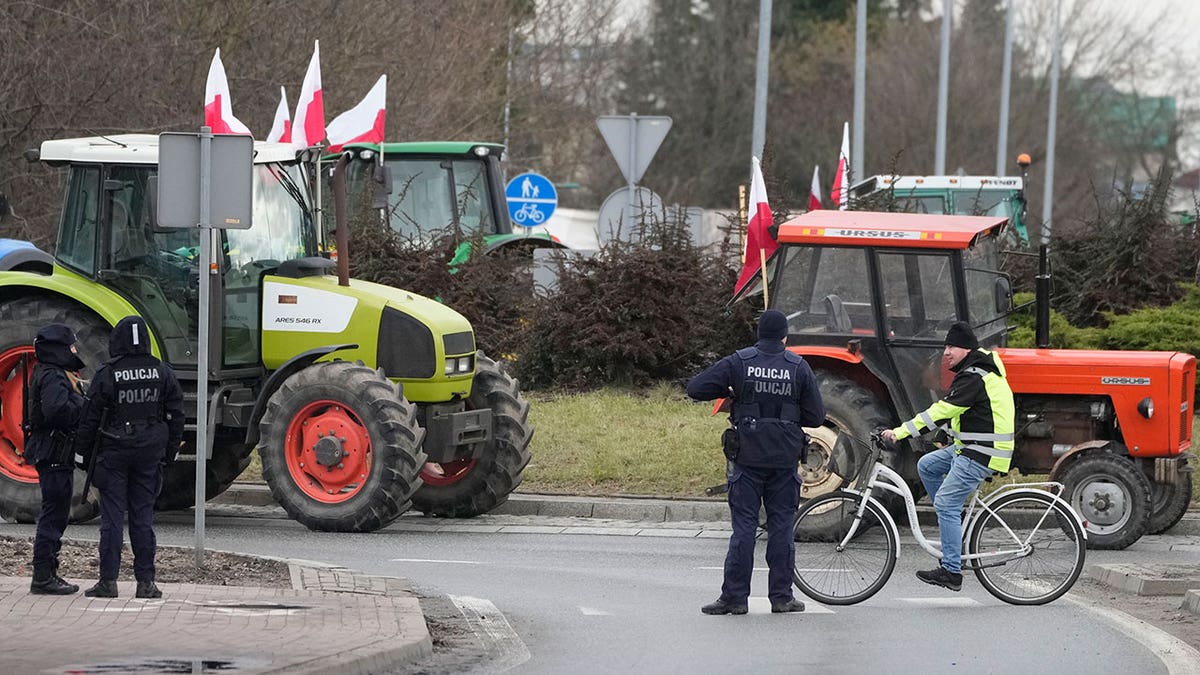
x: 281, y: 128
x: 759, y: 242
x: 814, y: 194
x: 308, y: 124
x: 218, y: 110
x: 840, y: 192
x: 364, y: 122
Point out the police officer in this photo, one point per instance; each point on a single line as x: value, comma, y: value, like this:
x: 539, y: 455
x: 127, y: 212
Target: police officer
x: 141, y: 405
x: 53, y: 406
x: 774, y: 395
x: 982, y: 419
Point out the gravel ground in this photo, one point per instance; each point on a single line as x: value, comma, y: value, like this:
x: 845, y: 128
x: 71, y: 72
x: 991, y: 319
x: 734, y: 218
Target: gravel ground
x: 79, y: 563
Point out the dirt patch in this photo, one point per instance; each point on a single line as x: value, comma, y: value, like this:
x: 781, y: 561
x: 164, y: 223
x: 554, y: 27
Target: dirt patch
x: 1162, y: 612
x: 80, y: 562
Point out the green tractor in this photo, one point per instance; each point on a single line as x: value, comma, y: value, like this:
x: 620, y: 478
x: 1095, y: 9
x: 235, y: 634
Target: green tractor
x: 363, y: 400
x: 426, y: 191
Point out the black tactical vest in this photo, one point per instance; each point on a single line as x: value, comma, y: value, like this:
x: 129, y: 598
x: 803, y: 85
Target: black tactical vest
x: 137, y: 391
x: 766, y: 413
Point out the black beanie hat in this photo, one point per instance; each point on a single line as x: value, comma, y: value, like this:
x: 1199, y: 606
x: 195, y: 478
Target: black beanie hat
x: 961, y: 335
x: 772, y: 325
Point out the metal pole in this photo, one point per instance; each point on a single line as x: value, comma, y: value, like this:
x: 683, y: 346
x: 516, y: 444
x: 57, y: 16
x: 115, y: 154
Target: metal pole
x: 1005, y: 91
x: 508, y: 86
x: 1051, y: 128
x: 205, y: 232
x: 761, y: 71
x: 860, y: 91
x: 632, y: 186
x: 939, y: 162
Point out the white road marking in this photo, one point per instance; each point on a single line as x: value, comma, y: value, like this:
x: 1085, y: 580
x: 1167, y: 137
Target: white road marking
x: 756, y: 569
x: 503, y: 646
x: 1179, y: 657
x: 445, y: 562
x: 763, y: 606
x: 942, y: 602
x: 591, y: 611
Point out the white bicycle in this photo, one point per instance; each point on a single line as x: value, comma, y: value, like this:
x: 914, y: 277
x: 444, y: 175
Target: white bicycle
x: 1025, y: 544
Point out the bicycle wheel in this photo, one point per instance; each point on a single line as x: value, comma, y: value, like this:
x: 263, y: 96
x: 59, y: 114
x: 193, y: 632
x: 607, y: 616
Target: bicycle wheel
x: 1033, y: 548
x: 851, y: 574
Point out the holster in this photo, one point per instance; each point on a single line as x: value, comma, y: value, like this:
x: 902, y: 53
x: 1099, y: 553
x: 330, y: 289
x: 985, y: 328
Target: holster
x: 61, y: 446
x: 730, y: 444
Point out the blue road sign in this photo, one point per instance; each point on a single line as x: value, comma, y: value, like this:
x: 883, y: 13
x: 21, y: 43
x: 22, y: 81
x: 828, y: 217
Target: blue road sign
x: 531, y: 199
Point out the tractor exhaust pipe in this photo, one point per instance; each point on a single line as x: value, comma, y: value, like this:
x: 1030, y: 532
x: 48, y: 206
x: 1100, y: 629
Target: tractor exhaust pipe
x: 341, y: 220
x: 1042, y: 298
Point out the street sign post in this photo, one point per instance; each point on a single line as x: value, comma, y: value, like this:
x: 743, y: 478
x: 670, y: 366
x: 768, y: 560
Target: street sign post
x: 205, y: 181
x: 633, y: 141
x: 531, y: 199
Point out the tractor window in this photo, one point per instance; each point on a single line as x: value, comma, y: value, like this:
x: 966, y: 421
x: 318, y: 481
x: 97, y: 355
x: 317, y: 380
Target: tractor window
x: 980, y: 264
x: 983, y: 203
x: 824, y: 290
x: 924, y: 204
x: 420, y: 207
x: 919, y: 292
x: 77, y: 233
x: 471, y: 194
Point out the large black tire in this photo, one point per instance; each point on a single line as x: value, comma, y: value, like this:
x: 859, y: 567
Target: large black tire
x: 837, y: 451
x: 1169, y: 503
x: 230, y: 457
x: 20, y: 497
x: 384, y: 443
x: 1112, y: 495
x: 485, y: 484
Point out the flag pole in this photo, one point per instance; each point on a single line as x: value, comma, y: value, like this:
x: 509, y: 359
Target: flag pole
x: 762, y: 261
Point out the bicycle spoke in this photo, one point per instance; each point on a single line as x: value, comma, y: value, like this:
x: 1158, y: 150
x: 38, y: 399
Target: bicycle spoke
x: 853, y: 573
x: 1030, y: 552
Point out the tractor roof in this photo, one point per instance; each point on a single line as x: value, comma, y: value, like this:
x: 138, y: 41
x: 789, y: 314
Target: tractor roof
x: 138, y: 149
x: 909, y: 184
x: 904, y: 230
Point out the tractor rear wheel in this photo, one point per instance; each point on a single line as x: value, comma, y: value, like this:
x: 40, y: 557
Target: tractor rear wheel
x: 837, y: 450
x: 469, y: 487
x: 230, y: 457
x: 341, y: 448
x: 20, y: 497
x: 1112, y: 495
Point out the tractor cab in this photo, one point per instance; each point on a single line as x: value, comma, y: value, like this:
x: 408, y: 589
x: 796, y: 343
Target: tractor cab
x: 1001, y: 196
x: 881, y: 289
x: 428, y: 192
x: 108, y: 234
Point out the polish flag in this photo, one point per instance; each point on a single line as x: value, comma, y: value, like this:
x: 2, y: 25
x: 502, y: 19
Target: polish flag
x: 759, y: 242
x: 840, y: 192
x: 364, y: 122
x: 814, y: 194
x: 308, y: 124
x: 218, y: 110
x: 281, y: 128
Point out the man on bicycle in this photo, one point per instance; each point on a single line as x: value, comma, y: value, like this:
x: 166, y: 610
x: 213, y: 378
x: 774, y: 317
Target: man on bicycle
x: 980, y: 409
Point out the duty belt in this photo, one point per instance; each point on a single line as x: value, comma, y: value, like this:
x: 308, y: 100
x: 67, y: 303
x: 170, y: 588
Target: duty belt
x: 128, y: 426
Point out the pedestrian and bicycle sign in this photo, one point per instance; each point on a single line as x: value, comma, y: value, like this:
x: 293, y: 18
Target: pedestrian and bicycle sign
x: 531, y: 199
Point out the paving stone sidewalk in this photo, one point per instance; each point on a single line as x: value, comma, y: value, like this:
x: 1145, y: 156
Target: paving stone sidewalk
x: 333, y: 620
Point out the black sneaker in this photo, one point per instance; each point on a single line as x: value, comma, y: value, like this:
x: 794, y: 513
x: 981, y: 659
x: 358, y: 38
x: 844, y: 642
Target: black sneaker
x: 102, y: 589
x: 940, y: 576
x: 792, y: 605
x: 52, y: 586
x: 723, y: 607
x: 147, y: 589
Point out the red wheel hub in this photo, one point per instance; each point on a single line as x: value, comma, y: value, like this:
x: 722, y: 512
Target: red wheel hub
x: 328, y: 451
x: 12, y: 437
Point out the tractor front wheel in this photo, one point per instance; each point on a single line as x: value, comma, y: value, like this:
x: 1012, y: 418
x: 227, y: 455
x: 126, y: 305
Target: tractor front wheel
x: 341, y: 448
x: 20, y: 497
x: 466, y: 488
x: 1112, y: 495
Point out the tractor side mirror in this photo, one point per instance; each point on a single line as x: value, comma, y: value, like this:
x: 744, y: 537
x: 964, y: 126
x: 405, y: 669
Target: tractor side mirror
x: 1003, y: 294
x: 152, y: 204
x: 383, y: 186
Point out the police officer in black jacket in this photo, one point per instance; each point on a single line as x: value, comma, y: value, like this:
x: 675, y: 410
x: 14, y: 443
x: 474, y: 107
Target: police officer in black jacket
x: 53, y: 406
x: 141, y: 405
x: 774, y: 395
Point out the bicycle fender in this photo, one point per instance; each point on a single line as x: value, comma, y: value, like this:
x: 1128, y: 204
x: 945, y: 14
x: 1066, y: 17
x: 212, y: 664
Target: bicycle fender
x: 1027, y: 491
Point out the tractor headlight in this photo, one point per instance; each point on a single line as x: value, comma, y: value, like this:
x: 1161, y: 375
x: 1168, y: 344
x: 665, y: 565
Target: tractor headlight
x: 459, y: 365
x: 1146, y: 407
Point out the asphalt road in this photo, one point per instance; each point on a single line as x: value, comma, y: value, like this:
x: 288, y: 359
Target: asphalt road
x: 585, y: 603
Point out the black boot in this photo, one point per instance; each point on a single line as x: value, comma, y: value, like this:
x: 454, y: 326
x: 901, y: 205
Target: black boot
x: 105, y: 588
x: 63, y: 581
x: 45, y: 582
x: 721, y: 606
x: 147, y: 589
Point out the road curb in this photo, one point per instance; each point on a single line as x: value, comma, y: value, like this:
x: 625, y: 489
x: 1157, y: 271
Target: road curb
x: 1147, y: 579
x: 1191, y: 602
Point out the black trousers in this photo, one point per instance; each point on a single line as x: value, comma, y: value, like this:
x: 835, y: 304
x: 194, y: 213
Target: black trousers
x: 55, y: 480
x: 129, y: 481
x: 778, y: 491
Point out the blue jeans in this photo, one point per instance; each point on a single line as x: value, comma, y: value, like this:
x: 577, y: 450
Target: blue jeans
x: 949, y: 478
